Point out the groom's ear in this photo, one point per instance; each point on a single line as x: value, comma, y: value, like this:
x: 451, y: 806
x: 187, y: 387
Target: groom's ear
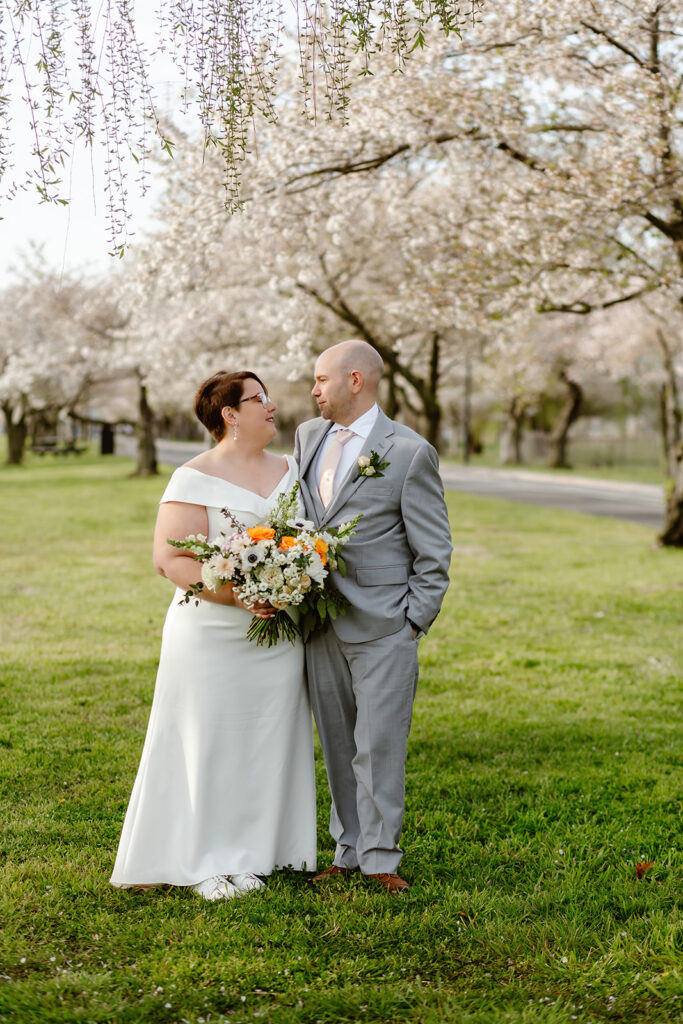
x: 357, y: 381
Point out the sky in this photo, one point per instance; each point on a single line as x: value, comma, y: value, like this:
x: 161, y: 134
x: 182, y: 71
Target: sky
x: 73, y: 237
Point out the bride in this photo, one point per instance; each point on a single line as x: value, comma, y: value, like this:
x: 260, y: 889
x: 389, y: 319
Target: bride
x: 225, y: 790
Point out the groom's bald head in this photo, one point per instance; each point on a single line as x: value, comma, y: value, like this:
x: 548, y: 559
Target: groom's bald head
x: 347, y: 376
x: 358, y: 355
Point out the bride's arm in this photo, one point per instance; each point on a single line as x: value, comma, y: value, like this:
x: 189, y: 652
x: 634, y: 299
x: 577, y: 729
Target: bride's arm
x: 176, y: 520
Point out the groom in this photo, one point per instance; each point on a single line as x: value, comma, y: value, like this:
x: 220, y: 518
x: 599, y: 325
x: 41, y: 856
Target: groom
x: 362, y: 670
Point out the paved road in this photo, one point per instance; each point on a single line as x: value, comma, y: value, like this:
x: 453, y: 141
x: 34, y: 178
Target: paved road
x: 638, y: 503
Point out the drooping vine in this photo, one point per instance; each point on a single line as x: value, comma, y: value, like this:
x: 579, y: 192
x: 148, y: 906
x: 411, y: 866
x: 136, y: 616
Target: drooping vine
x: 78, y: 73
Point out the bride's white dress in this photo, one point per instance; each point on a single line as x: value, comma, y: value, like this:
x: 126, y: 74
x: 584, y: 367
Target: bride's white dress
x: 225, y: 783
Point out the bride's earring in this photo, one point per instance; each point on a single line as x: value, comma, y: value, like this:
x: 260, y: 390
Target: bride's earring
x: 234, y: 431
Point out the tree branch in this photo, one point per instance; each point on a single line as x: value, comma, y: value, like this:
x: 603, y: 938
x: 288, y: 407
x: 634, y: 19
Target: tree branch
x: 91, y: 421
x: 673, y: 230
x: 372, y: 163
x: 343, y: 311
x: 581, y: 308
x: 615, y: 42
x: 523, y: 158
x: 369, y: 163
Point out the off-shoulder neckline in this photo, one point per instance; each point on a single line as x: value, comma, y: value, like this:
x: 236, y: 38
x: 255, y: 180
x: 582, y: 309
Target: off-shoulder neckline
x: 239, y: 487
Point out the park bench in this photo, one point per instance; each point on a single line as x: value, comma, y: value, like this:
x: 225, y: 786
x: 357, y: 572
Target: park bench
x: 42, y: 445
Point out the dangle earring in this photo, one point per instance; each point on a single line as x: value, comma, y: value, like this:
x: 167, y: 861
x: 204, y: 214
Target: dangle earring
x: 234, y: 431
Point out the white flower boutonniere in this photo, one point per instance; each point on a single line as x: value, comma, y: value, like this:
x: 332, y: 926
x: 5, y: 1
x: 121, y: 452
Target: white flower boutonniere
x: 371, y: 465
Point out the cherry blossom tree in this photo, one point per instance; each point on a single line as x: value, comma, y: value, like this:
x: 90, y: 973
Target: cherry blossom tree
x: 585, y: 100
x: 395, y: 261
x: 666, y: 326
x: 518, y: 374
x: 55, y: 344
x: 567, y: 358
x: 409, y: 254
x: 194, y: 296
x: 44, y: 358
x: 597, y: 124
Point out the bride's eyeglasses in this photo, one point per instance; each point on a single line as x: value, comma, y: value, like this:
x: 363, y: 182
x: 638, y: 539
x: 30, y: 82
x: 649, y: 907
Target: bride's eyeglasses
x: 260, y: 396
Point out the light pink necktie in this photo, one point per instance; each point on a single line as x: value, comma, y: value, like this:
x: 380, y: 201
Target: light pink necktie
x: 328, y: 470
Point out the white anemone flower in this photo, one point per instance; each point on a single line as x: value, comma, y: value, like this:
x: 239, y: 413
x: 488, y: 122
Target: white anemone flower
x: 253, y: 555
x: 301, y: 524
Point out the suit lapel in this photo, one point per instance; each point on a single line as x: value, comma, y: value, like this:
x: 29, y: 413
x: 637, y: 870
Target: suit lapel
x: 307, y: 467
x: 313, y: 442
x: 378, y: 440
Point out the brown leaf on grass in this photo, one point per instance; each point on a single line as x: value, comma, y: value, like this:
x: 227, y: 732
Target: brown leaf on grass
x: 643, y: 866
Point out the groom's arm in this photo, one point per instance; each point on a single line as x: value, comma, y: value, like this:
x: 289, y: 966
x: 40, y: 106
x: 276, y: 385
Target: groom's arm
x: 428, y: 531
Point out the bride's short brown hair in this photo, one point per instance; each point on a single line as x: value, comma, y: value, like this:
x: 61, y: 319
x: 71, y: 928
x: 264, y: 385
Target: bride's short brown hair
x: 221, y: 390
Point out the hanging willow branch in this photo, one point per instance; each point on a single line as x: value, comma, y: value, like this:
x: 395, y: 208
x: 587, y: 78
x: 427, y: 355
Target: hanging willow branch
x: 78, y: 73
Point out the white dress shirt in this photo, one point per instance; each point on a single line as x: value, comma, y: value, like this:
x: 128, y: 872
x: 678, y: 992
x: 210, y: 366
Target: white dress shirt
x: 352, y: 449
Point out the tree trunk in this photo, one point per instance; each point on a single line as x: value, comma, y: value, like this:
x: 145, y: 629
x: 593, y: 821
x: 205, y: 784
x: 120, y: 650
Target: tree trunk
x: 393, y: 404
x: 433, y: 433
x: 664, y: 428
x: 511, y: 440
x: 671, y: 414
x: 17, y: 429
x: 429, y: 406
x: 107, y: 439
x: 147, y: 452
x: 672, y: 534
x: 571, y: 410
x: 429, y: 396
x: 467, y: 410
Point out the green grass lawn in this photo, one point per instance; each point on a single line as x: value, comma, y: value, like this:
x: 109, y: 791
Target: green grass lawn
x: 544, y: 764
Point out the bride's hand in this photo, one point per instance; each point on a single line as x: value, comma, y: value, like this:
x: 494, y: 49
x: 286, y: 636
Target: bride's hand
x: 262, y: 610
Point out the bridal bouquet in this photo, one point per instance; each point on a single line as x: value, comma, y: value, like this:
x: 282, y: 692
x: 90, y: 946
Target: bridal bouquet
x: 286, y: 562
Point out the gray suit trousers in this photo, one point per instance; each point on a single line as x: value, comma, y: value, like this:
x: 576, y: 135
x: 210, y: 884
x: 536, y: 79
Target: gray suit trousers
x: 362, y: 697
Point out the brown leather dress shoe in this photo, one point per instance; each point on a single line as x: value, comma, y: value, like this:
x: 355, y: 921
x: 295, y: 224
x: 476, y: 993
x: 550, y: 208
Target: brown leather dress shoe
x: 334, y: 871
x: 390, y: 883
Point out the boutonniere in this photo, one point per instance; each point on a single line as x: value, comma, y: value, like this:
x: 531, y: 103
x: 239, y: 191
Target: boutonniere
x: 371, y: 465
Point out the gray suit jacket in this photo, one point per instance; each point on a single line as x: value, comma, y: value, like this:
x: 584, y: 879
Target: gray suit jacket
x: 397, y: 561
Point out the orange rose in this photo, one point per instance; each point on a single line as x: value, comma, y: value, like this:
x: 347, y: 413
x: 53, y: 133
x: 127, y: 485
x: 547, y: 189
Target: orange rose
x: 288, y: 542
x: 258, y: 533
x: 322, y: 549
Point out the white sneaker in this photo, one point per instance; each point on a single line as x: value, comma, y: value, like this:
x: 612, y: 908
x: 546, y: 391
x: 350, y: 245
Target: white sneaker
x: 245, y: 882
x: 215, y: 888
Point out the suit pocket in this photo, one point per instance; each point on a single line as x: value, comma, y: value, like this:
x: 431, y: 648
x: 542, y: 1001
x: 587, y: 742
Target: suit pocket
x: 381, y: 575
x: 379, y: 490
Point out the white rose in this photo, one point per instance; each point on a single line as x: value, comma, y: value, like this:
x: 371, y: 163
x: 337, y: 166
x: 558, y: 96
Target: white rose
x: 363, y: 461
x: 316, y: 569
x: 370, y: 471
x: 271, y: 577
x: 210, y: 577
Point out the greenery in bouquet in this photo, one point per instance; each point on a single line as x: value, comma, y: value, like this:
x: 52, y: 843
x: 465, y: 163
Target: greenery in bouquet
x: 285, y: 561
